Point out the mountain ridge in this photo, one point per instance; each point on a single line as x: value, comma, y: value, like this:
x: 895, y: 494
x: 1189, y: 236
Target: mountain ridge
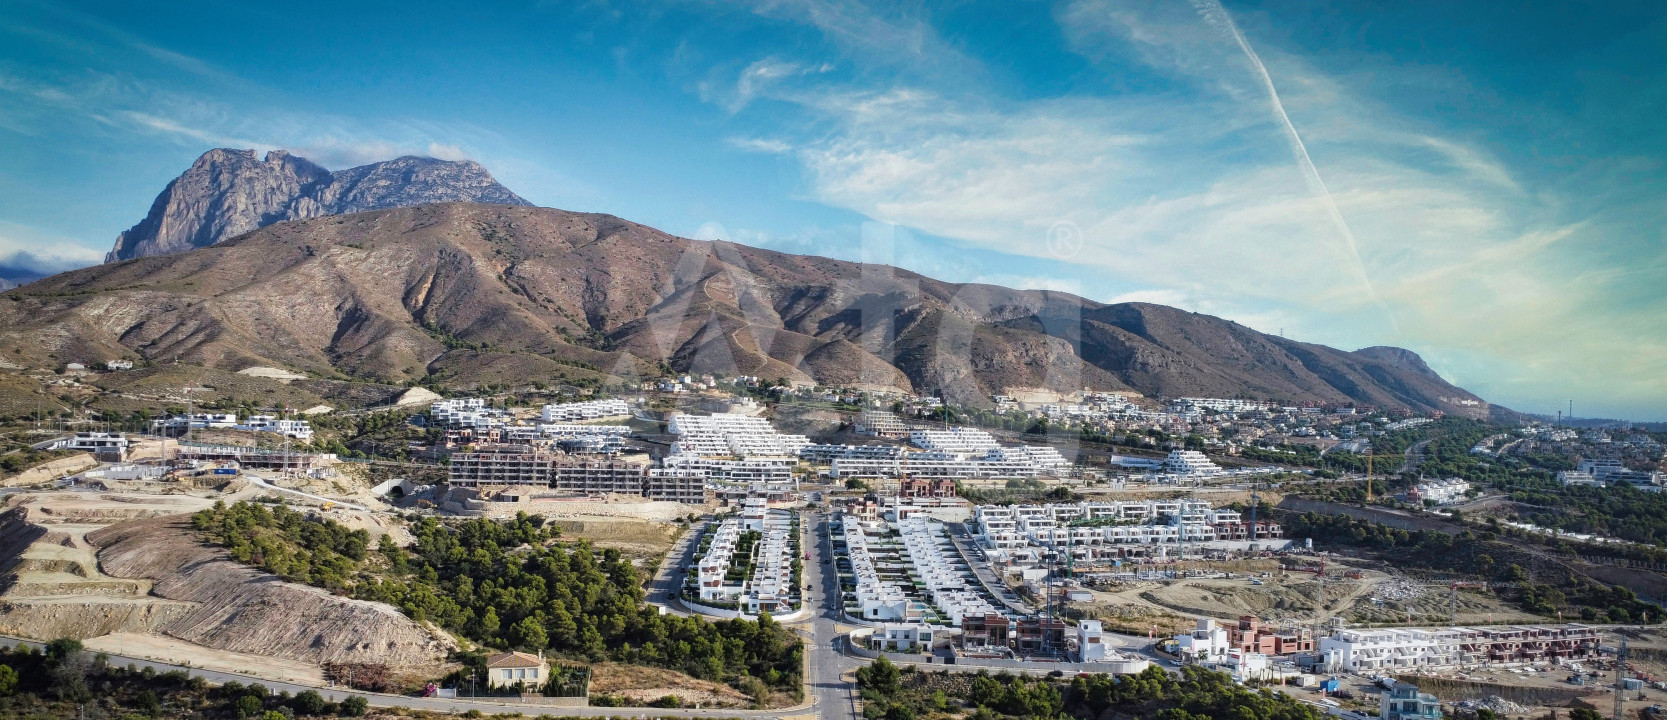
x: 462, y: 293
x: 228, y: 192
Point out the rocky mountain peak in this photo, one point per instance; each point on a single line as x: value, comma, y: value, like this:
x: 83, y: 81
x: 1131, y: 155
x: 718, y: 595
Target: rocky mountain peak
x: 228, y: 192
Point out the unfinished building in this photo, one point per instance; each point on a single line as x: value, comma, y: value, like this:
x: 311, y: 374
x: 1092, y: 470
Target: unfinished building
x: 502, y: 465
x: 601, y: 478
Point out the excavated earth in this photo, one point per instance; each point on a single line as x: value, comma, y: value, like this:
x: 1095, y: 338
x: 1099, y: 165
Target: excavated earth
x: 238, y: 608
x: 88, y: 565
x: 50, y: 582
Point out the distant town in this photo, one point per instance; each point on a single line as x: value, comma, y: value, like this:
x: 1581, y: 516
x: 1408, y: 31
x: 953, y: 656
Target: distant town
x: 1334, y: 552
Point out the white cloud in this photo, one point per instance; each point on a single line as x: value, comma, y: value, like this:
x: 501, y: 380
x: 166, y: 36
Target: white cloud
x: 1194, y: 197
x: 36, y: 251
x: 762, y: 145
x: 758, y: 77
x: 868, y: 33
x: 711, y: 231
x: 171, y: 127
x: 441, y: 151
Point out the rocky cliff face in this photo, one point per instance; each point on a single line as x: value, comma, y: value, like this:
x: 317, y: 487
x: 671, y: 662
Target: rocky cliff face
x: 468, y: 294
x: 227, y: 193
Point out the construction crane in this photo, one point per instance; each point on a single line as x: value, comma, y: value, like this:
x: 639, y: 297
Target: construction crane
x: 1620, y: 671
x: 1368, y: 476
x: 1453, y: 599
x: 1055, y: 602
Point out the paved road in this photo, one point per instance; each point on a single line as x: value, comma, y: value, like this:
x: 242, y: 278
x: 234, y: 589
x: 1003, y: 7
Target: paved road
x: 417, y: 703
x: 1413, y: 456
x: 668, y: 579
x: 259, y: 481
x: 835, y: 696
x: 830, y: 694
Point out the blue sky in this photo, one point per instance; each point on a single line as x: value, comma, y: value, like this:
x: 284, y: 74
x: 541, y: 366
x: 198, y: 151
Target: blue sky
x: 1482, y: 184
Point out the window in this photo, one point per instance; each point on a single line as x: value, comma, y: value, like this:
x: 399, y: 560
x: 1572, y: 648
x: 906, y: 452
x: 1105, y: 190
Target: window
x: 534, y: 674
x: 509, y: 674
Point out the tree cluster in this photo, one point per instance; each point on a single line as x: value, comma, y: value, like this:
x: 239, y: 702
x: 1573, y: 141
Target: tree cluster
x: 66, y: 681
x: 512, y: 584
x: 892, y: 694
x: 287, y: 543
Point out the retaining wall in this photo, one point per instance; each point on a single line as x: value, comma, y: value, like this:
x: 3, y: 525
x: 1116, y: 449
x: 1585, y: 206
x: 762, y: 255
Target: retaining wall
x: 709, y: 611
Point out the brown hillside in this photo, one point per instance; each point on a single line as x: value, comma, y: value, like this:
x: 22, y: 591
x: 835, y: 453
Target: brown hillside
x: 487, y: 293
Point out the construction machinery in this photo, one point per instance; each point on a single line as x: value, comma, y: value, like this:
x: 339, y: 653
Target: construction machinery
x: 1315, y: 569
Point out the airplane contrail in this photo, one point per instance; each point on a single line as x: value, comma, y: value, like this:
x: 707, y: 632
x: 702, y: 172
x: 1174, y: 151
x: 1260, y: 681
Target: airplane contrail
x: 1215, y: 14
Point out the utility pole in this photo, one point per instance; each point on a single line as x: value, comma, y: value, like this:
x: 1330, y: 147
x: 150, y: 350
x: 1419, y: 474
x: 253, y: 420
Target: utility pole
x: 1368, y: 476
x: 189, y: 411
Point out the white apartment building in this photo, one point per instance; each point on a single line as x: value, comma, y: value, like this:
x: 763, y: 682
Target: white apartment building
x: 830, y: 453
x: 770, y: 588
x: 1228, y: 405
x: 876, y: 599
x: 1392, y: 649
x: 930, y: 465
x: 1017, y: 461
x: 1576, y: 477
x: 1441, y: 492
x: 459, y: 412
x: 714, y: 564
x: 577, y: 438
x: 731, y: 435
x: 949, y: 582
x: 1600, y: 467
x: 1408, y: 423
x: 961, y: 441
x: 1611, y: 471
x: 94, y: 442
x: 1091, y: 641
x: 1045, y: 458
x: 771, y: 445
x: 1106, y: 529
x: 1207, y: 643
x: 588, y: 410
x: 1189, y: 463
x: 298, y: 429
x: 719, y: 423
x: 195, y: 421
x: 566, y: 430
x: 752, y: 470
x: 701, y: 444
x: 879, y: 423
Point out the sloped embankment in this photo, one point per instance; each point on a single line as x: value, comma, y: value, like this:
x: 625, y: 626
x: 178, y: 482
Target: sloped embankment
x: 248, y: 611
x: 50, y: 585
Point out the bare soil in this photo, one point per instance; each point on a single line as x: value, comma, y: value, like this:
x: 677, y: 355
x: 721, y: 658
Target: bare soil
x: 642, y: 540
x: 646, y: 684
